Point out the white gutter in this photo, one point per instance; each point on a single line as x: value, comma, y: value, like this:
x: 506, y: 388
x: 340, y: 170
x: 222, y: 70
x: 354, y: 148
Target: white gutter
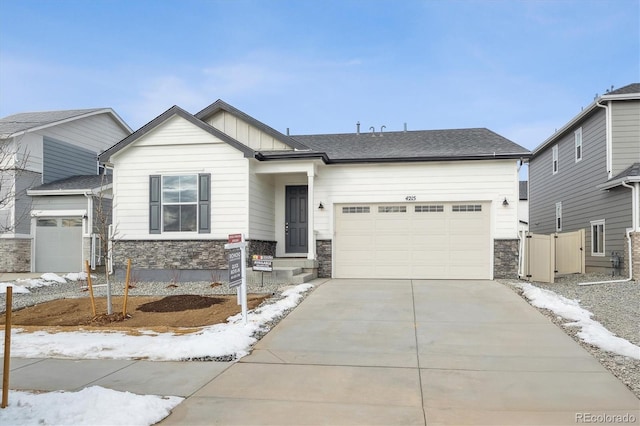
x: 635, y: 204
x: 58, y: 213
x: 635, y: 227
x: 608, y: 137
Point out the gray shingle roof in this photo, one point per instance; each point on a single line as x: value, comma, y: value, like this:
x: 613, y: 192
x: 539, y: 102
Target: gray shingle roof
x: 632, y: 170
x: 629, y: 88
x: 28, y: 120
x: 424, y: 144
x: 76, y: 183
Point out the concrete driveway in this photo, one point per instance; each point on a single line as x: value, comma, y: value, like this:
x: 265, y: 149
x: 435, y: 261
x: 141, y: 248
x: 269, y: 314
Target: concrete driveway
x: 397, y: 352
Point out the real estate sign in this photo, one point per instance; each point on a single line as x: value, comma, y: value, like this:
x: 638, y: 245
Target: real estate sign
x: 262, y: 263
x: 235, y: 269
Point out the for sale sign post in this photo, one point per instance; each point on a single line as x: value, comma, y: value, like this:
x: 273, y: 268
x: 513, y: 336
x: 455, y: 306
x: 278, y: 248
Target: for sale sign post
x: 237, y: 275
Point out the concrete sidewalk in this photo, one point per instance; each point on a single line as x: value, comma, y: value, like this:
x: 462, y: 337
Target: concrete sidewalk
x: 378, y: 352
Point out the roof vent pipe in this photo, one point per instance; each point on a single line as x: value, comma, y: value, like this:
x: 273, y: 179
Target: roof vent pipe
x: 287, y: 131
x: 405, y: 127
x: 382, y: 129
x: 373, y: 131
x: 358, y: 127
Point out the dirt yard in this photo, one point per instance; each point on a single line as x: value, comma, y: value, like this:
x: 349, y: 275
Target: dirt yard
x: 150, y: 313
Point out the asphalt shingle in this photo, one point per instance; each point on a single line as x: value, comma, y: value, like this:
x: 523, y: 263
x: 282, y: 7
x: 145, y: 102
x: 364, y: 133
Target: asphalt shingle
x: 454, y: 143
x: 28, y: 120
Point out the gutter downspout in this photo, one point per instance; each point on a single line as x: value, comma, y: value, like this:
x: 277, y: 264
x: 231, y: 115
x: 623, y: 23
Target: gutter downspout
x: 634, y: 228
x: 608, y: 137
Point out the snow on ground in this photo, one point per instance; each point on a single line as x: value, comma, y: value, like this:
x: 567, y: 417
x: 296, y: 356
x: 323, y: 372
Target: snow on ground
x: 591, y: 332
x: 90, y: 406
x: 23, y: 286
x: 231, y: 338
x: 16, y: 288
x: 95, y: 405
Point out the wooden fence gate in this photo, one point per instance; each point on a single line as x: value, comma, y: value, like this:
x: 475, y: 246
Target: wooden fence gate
x: 547, y: 255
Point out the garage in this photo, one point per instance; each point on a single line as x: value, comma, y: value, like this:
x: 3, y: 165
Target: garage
x: 58, y: 244
x: 413, y: 240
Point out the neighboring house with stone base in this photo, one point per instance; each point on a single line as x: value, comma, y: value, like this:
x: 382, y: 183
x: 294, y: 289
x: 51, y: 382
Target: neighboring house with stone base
x: 587, y: 176
x: 436, y: 204
x: 41, y: 148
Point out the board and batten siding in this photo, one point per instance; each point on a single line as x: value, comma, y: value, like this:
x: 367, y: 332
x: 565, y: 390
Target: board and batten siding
x: 490, y: 180
x: 575, y: 186
x: 245, y: 133
x: 179, y: 147
x: 625, y: 133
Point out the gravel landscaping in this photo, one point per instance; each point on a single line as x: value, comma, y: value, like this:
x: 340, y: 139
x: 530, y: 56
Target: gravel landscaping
x: 73, y: 289
x: 615, y: 305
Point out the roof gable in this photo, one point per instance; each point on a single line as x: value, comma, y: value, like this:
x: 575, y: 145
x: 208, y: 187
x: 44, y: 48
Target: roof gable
x: 218, y: 106
x: 628, y: 92
x: 161, y: 119
x: 17, y: 124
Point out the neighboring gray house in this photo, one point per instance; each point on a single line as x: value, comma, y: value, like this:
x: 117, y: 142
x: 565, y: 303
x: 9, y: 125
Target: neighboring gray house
x: 587, y: 176
x: 40, y: 148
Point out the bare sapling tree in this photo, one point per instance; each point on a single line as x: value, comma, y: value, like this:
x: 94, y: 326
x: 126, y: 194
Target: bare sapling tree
x: 102, y: 227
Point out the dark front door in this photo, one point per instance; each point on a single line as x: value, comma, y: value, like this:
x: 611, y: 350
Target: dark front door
x: 296, y: 219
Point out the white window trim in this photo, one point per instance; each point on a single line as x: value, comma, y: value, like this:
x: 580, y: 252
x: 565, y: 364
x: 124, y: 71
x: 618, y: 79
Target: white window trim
x: 577, y: 137
x: 178, y: 203
x: 555, y: 164
x: 558, y: 216
x: 603, y: 248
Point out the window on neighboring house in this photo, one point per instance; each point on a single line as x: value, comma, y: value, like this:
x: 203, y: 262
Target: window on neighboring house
x: 554, y: 155
x: 577, y: 136
x: 179, y: 203
x: 597, y: 238
x: 558, y: 217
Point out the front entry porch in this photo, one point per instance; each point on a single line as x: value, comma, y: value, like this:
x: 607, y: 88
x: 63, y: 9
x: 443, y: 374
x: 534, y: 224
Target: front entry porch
x: 288, y: 270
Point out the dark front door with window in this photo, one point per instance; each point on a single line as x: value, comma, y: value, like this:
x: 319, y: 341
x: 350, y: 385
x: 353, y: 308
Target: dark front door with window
x: 296, y: 219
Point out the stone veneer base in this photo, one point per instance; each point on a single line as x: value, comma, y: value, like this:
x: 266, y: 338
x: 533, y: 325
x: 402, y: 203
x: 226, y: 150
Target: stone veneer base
x: 15, y: 254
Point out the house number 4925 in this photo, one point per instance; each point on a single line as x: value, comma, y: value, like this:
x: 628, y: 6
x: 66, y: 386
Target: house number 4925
x: 410, y: 198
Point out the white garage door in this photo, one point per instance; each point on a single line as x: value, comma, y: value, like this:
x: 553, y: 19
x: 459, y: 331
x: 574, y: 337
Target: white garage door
x: 59, y: 244
x: 428, y: 241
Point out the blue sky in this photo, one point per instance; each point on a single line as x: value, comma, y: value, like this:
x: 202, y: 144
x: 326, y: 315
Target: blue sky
x: 519, y: 68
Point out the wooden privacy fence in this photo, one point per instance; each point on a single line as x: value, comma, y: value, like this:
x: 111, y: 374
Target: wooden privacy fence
x: 559, y: 253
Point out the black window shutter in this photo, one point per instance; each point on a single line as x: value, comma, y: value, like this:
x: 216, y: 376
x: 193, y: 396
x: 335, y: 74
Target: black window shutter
x: 204, y: 203
x: 154, y: 204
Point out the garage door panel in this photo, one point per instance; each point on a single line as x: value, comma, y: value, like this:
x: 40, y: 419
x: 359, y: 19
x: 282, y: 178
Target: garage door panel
x: 358, y: 242
x: 414, y: 241
x: 388, y: 241
x: 393, y: 257
x: 58, y: 244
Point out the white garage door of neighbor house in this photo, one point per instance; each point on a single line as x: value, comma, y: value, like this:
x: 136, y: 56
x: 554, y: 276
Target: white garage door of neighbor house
x: 58, y: 244
x: 413, y: 240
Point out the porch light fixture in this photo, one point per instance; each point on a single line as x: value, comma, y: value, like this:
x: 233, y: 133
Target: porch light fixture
x: 505, y: 202
x: 321, y: 206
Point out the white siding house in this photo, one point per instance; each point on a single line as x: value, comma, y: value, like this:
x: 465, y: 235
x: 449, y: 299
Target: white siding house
x: 420, y: 204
